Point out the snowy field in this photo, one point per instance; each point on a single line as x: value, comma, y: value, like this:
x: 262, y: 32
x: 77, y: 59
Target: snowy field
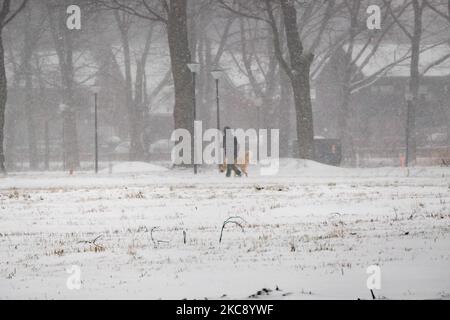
x: 310, y: 233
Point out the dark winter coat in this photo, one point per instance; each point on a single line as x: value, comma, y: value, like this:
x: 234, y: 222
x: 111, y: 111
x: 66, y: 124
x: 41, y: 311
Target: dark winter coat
x: 235, y: 146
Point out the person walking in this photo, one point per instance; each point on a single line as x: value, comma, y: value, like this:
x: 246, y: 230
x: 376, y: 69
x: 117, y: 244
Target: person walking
x: 231, y: 165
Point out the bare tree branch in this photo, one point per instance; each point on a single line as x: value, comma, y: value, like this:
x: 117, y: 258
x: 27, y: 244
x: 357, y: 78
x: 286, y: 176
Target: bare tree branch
x: 6, y: 8
x: 442, y: 14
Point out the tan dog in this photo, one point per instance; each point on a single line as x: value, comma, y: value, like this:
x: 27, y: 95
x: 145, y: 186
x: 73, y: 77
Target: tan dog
x: 242, y: 165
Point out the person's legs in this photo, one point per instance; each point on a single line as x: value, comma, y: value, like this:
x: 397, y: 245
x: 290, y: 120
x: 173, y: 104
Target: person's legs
x: 229, y: 168
x: 236, y: 170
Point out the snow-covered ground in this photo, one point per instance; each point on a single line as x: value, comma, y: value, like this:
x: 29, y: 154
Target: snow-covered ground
x: 311, y: 231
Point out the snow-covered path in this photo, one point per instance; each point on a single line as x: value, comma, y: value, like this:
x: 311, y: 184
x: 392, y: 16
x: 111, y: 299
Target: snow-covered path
x: 311, y: 231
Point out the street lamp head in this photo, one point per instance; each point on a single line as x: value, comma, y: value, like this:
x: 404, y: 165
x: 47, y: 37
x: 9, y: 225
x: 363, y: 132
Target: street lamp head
x: 217, y: 73
x: 194, y: 67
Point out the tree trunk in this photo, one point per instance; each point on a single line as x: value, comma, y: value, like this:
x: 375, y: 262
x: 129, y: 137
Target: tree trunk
x: 284, y: 114
x: 31, y: 126
x: 129, y: 97
x: 41, y: 101
x: 70, y: 117
x: 209, y: 96
x: 64, y: 47
x: 11, y: 128
x: 303, y: 108
x: 124, y: 26
x: 140, y: 112
x: 3, y: 98
x: 5, y: 16
x: 299, y: 75
x: 414, y: 83
x: 180, y: 56
x: 11, y: 119
x: 345, y: 130
x: 344, y: 114
x: 29, y: 46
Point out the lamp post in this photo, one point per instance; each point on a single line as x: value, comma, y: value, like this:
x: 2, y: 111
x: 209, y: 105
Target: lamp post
x: 194, y: 68
x: 258, y: 105
x: 447, y: 98
x: 62, y: 109
x: 408, y: 98
x: 217, y: 75
x: 96, y: 90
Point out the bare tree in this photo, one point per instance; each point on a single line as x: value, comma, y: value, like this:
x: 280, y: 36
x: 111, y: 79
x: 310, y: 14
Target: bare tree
x: 361, y: 45
x: 7, y: 14
x: 173, y: 15
x: 64, y: 42
x: 208, y: 47
x: 415, y: 35
x: 252, y: 54
x: 441, y: 7
x: 135, y: 102
x: 298, y: 71
x: 32, y: 34
x: 297, y: 67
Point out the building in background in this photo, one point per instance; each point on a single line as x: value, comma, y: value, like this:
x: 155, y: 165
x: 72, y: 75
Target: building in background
x: 377, y: 113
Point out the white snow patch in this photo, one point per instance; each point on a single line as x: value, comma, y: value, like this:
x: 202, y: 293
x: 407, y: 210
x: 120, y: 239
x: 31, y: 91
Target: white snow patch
x: 311, y: 231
